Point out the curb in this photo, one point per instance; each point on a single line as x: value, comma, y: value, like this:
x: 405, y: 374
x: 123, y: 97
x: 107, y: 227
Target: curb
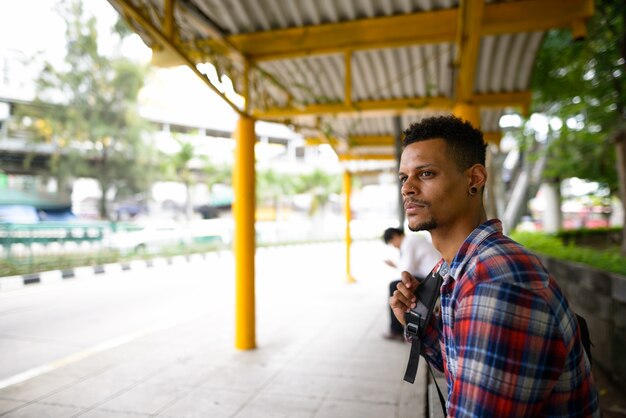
x: 8, y: 283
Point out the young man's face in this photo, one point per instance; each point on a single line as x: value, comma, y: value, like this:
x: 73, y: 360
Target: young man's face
x: 434, y: 191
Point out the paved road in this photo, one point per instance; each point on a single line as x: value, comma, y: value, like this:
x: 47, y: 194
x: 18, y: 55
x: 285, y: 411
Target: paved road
x: 43, y: 324
x: 159, y: 342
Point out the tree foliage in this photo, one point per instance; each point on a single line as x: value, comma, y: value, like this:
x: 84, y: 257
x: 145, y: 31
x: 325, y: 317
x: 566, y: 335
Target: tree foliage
x: 271, y: 186
x: 179, y: 168
x: 582, y: 82
x: 87, y: 110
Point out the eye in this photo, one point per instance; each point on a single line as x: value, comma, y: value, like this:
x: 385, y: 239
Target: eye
x: 427, y: 174
x: 402, y: 179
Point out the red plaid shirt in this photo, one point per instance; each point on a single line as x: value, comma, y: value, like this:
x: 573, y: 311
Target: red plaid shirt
x: 506, y: 338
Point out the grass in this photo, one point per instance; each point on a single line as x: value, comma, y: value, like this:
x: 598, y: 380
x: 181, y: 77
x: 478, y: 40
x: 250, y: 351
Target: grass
x: 13, y: 266
x: 608, y: 259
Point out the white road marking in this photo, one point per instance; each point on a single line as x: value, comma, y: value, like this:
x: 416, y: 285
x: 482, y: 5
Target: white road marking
x: 88, y: 352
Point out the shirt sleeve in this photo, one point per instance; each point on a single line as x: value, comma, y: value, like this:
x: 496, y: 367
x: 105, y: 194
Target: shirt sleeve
x: 510, y: 352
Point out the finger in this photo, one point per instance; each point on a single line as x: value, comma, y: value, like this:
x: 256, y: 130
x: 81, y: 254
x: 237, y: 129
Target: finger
x: 406, y: 292
x: 401, y: 301
x: 398, y: 300
x: 398, y: 309
x: 410, y: 282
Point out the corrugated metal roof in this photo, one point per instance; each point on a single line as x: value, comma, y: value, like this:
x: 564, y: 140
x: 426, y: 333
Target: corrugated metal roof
x: 249, y: 16
x: 305, y: 87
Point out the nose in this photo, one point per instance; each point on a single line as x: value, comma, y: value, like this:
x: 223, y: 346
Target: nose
x: 407, y: 189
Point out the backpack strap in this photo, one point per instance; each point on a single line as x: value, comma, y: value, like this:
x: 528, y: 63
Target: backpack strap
x: 441, y: 399
x: 584, y: 336
x: 414, y: 359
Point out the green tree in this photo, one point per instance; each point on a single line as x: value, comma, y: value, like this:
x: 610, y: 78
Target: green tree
x: 180, y: 163
x: 320, y: 185
x: 583, y: 82
x: 93, y: 120
x: 272, y: 186
x: 179, y: 168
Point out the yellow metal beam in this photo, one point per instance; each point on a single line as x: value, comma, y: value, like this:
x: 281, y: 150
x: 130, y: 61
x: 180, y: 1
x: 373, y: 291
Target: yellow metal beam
x: 364, y: 173
x: 246, y: 86
x: 372, y: 141
x: 534, y: 15
x: 384, y: 107
x: 319, y: 140
x: 467, y: 47
x: 364, y: 157
x: 170, y: 51
x: 348, y: 79
x: 579, y: 29
x: 493, y: 137
x: 221, y: 44
x: 467, y: 112
x: 519, y: 99
x: 168, y: 19
x: 244, y: 239
x: 160, y: 38
x: 438, y: 26
x: 355, y: 141
x: 364, y: 106
x: 431, y: 27
x: 380, y: 141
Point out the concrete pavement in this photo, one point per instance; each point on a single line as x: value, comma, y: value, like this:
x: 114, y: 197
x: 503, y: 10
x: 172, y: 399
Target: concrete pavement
x: 320, y: 353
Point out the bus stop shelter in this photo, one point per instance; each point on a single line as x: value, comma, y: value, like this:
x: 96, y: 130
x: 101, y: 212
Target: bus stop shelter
x: 351, y: 74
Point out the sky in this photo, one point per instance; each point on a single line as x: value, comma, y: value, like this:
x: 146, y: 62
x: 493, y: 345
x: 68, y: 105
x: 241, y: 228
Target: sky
x: 34, y: 26
x: 31, y: 27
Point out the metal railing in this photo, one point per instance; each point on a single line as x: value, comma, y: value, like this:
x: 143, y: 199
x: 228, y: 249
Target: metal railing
x: 27, y: 248
x: 50, y: 245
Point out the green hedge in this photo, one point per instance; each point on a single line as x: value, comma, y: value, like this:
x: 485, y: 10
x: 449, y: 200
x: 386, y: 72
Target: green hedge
x: 588, y: 232
x: 552, y: 245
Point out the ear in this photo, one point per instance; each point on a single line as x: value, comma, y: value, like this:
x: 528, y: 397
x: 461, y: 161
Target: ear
x: 477, y: 176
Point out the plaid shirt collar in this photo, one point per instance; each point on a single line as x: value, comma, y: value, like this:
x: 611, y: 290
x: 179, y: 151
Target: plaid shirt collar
x: 467, y: 249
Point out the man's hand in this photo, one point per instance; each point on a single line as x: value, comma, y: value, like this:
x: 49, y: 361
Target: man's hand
x: 403, y: 299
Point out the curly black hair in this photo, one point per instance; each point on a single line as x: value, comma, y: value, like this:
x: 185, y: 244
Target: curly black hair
x: 465, y: 144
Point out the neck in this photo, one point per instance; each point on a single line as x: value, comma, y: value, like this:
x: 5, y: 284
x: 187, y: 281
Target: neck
x: 448, y: 240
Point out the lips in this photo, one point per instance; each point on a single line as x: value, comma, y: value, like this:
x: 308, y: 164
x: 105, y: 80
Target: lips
x: 412, y: 207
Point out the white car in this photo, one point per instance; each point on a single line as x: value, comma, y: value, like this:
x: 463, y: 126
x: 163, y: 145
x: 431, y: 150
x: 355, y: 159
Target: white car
x: 151, y: 237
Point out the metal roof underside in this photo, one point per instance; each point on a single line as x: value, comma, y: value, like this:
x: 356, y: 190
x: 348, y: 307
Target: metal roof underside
x: 341, y: 71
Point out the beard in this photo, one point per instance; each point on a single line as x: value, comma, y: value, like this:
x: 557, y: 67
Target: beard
x: 424, y: 226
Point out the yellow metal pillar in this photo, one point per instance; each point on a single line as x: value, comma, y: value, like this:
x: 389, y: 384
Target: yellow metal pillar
x: 348, y: 80
x: 467, y: 112
x: 347, y: 189
x: 244, y: 243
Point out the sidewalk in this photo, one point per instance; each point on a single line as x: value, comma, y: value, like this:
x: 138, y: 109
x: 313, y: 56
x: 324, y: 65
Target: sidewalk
x: 319, y: 352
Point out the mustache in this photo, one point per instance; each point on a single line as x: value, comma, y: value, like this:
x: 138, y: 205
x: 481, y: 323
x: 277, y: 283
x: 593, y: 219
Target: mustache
x: 421, y: 202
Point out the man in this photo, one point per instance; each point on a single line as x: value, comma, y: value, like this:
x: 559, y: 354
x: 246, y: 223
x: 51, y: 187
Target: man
x: 506, y: 338
x: 418, y: 257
